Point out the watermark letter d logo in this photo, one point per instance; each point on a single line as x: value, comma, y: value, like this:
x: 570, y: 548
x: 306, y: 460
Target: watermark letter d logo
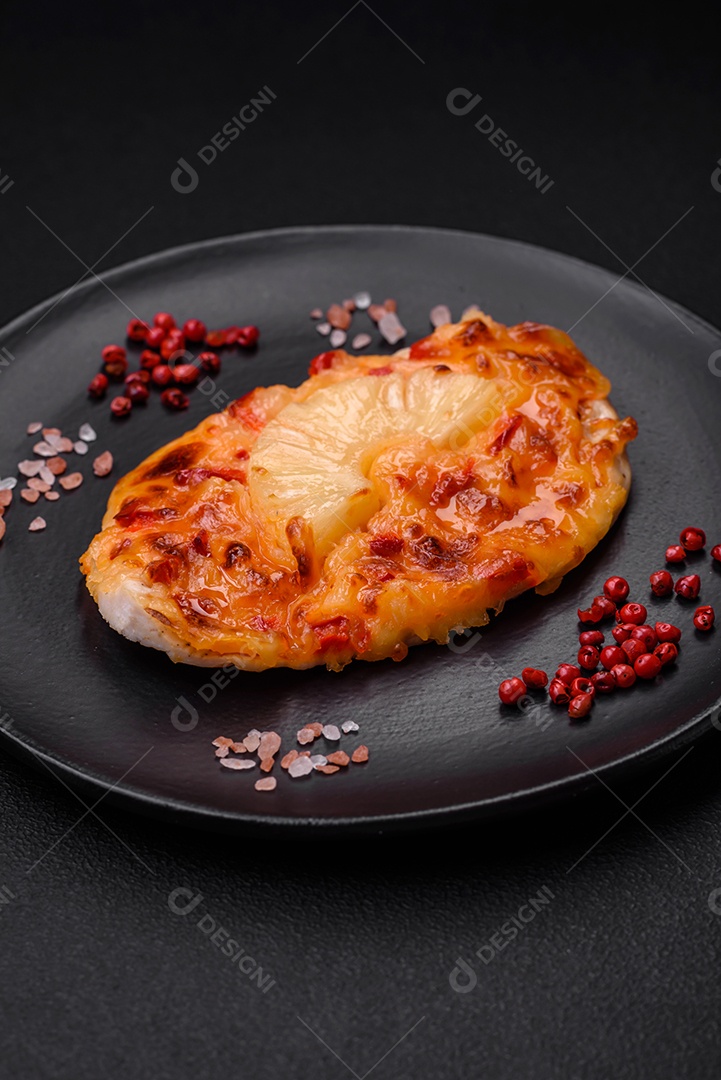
x: 176, y: 716
x: 184, y: 179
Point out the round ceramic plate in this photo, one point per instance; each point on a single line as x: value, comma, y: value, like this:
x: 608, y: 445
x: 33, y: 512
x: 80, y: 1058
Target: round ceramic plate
x: 121, y: 719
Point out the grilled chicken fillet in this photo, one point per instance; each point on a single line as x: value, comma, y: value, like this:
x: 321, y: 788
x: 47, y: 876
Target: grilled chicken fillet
x: 382, y: 503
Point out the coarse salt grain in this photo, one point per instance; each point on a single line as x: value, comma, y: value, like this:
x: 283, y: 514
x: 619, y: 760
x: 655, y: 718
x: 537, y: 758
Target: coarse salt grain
x: 318, y: 759
x: 289, y: 758
x: 331, y: 732
x: 266, y: 783
x: 28, y: 468
x: 6, y: 497
x: 440, y: 315
x: 338, y: 338
x: 47, y: 475
x: 222, y: 740
x: 87, y: 433
x: 222, y: 751
x: 360, y: 754
x: 65, y: 446
x: 57, y: 465
x: 391, y: 328
x: 316, y: 728
x: 37, y: 525
x: 71, y: 481
x: 238, y: 748
x: 44, y: 449
x: 305, y: 736
x: 323, y: 329
x: 269, y: 744
x: 29, y: 495
x: 8, y: 484
x: 338, y: 317
x: 51, y: 432
x: 80, y: 447
x: 327, y: 769
x: 316, y: 313
x: 360, y: 341
x: 237, y: 763
x: 339, y: 757
x: 349, y: 725
x: 300, y: 767
x: 362, y: 300
x: 35, y: 427
x: 103, y: 464
x: 52, y: 496
x: 38, y: 485
x: 251, y: 742
x: 376, y: 312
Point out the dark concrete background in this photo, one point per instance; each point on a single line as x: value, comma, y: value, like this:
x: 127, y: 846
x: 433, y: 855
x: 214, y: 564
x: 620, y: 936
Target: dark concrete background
x: 618, y: 975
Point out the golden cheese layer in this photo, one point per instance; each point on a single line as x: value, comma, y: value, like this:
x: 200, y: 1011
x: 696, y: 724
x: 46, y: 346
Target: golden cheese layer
x: 383, y: 502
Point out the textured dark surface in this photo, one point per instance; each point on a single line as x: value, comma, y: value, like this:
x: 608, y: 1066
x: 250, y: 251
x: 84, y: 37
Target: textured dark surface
x: 617, y: 975
x: 440, y: 740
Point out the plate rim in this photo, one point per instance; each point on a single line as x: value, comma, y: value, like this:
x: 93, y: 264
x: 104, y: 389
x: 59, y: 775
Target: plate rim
x: 169, y: 808
x: 166, y: 254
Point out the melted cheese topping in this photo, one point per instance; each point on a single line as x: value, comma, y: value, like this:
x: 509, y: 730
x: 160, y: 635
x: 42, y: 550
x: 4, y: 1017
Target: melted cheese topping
x: 383, y: 502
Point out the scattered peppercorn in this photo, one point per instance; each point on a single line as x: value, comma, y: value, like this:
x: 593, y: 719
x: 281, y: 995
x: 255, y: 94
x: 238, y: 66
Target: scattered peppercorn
x: 534, y: 678
x: 688, y: 586
x: 602, y: 603
x: 647, y: 666
x: 582, y: 686
x: 567, y: 673
x: 588, y: 657
x: 580, y: 706
x: 612, y: 655
x: 210, y: 362
x: 162, y: 375
x: 616, y: 589
x: 121, y: 406
x: 98, y: 387
x: 632, y: 613
x: 175, y: 399
x: 137, y: 330
x: 624, y: 675
x: 693, y: 539
x: 164, y: 321
x: 667, y: 632
x: 559, y: 692
x: 604, y: 682
x: 647, y: 637
x: 247, y: 336
x: 704, y: 618
x: 633, y: 649
x: 511, y: 690
x: 149, y: 359
x: 661, y: 583
x: 667, y: 652
x: 195, y: 330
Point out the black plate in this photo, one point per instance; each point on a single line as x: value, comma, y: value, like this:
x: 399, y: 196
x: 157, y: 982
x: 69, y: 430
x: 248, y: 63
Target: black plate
x: 92, y: 704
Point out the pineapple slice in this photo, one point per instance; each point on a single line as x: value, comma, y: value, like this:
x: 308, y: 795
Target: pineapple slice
x: 314, y: 459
